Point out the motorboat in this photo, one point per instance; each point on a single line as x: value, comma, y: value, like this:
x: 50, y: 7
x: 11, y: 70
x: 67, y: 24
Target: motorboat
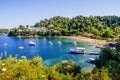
x: 59, y: 42
x: 21, y: 47
x: 92, y: 60
x: 50, y: 43
x: 4, y: 34
x: 75, y: 43
x: 31, y: 43
x: 78, y: 50
x: 98, y: 46
x: 5, y: 44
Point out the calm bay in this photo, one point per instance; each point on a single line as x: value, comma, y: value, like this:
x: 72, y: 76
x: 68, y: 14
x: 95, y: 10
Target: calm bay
x: 51, y: 54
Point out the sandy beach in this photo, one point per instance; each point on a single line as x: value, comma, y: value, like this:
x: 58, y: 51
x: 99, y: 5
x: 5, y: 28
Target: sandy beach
x: 89, y: 40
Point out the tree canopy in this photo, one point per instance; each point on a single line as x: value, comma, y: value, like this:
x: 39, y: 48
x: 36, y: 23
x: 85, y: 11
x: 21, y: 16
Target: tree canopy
x: 103, y: 26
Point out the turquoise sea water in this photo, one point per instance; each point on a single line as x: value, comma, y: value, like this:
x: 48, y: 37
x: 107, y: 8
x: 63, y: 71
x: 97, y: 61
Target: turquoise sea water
x: 51, y: 54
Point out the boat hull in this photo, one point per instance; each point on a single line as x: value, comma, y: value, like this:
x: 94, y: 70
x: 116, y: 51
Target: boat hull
x: 77, y: 52
x: 31, y: 44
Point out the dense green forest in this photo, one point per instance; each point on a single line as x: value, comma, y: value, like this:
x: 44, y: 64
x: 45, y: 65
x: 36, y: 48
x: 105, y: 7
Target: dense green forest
x: 107, y: 68
x: 92, y: 26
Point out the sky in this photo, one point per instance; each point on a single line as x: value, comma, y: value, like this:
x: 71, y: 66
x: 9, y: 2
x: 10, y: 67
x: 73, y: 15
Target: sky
x: 27, y: 12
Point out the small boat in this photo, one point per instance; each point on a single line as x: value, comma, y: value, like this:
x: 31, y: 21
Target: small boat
x: 5, y: 44
x: 92, y: 44
x: 21, y: 47
x: 4, y: 34
x: 78, y: 50
x: 75, y: 43
x: 31, y: 43
x: 99, y: 46
x: 50, y: 43
x: 23, y: 57
x: 92, y: 60
x: 59, y: 42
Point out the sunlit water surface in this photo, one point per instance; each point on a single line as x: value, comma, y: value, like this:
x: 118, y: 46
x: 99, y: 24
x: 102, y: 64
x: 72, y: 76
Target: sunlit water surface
x: 51, y: 54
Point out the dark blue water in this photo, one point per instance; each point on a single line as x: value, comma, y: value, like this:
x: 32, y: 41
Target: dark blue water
x: 51, y: 54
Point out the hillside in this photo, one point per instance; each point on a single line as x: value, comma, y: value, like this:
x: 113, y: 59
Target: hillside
x: 92, y: 26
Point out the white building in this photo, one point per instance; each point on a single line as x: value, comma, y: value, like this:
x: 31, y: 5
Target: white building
x: 42, y: 29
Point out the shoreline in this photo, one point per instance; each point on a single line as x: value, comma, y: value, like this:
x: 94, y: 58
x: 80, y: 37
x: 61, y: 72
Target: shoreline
x: 78, y: 38
x: 89, y: 40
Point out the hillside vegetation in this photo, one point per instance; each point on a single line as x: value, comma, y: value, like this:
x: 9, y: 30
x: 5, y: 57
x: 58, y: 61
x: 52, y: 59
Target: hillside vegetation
x: 4, y: 31
x: 92, y: 26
